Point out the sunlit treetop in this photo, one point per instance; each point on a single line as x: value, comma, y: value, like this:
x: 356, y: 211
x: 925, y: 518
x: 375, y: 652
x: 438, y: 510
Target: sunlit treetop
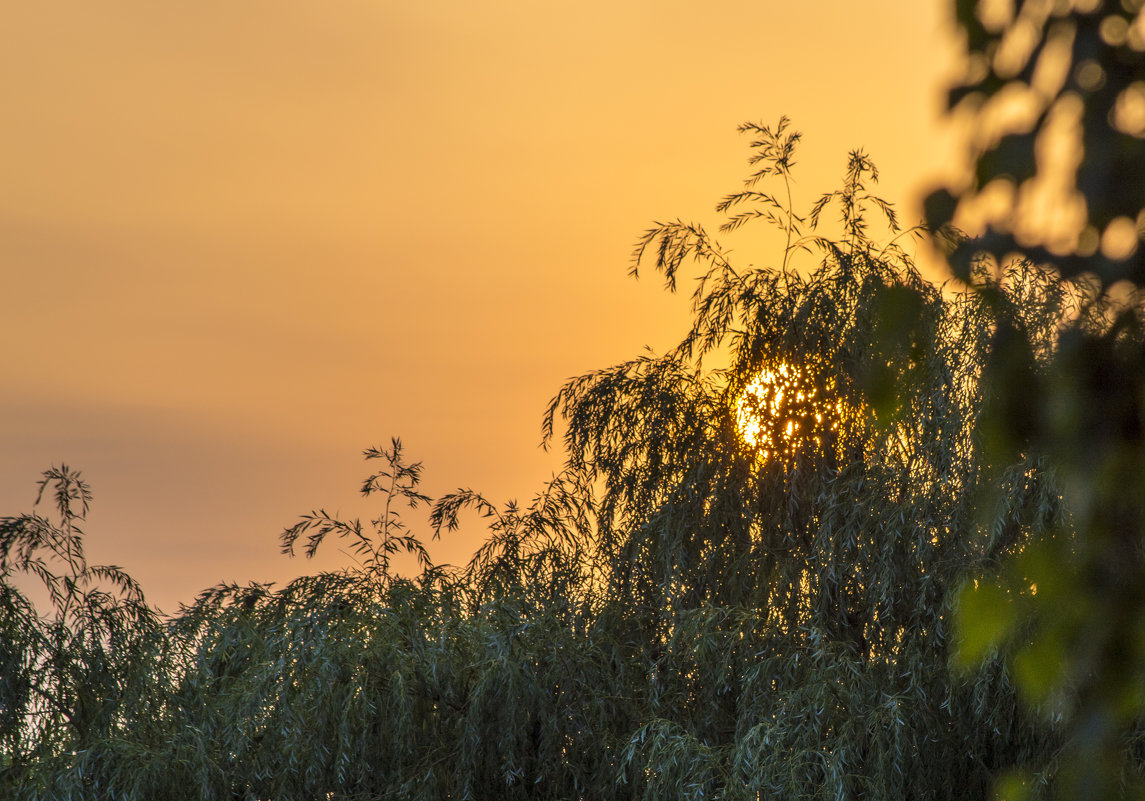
x: 784, y: 412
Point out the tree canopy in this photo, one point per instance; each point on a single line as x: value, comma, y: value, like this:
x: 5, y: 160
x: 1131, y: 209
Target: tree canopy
x: 748, y: 580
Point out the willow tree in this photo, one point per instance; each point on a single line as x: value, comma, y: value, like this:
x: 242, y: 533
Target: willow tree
x: 75, y: 640
x: 739, y: 587
x: 784, y: 538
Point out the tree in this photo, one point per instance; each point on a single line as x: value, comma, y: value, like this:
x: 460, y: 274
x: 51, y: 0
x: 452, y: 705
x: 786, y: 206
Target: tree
x: 740, y: 586
x: 79, y: 673
x: 1075, y: 394
x: 795, y: 603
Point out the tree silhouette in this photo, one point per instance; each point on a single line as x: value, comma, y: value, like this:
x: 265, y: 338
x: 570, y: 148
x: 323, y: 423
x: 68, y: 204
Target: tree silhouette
x: 683, y: 611
x: 75, y: 674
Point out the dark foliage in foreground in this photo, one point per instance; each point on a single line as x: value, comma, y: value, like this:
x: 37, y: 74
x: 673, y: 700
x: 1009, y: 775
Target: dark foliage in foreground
x: 679, y: 614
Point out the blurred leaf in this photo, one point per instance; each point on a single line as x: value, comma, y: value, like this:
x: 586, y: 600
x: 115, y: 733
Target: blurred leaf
x: 897, y: 310
x: 1040, y: 666
x: 1012, y: 417
x: 938, y: 208
x: 985, y: 618
x: 1013, y: 786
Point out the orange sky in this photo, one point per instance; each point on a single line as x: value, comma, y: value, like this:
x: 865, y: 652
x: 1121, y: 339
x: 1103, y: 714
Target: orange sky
x: 242, y: 240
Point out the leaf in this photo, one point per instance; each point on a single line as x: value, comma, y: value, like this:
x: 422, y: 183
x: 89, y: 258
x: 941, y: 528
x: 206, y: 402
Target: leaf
x: 985, y: 618
x: 1040, y: 667
x: 1013, y: 785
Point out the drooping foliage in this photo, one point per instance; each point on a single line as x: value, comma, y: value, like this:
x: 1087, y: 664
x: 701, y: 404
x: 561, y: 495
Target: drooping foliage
x: 71, y: 675
x: 685, y: 611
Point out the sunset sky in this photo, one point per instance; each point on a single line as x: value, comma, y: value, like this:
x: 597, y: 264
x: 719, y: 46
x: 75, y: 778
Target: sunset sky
x: 241, y: 241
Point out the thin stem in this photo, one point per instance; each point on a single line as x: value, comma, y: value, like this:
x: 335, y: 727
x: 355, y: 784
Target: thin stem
x: 790, y: 215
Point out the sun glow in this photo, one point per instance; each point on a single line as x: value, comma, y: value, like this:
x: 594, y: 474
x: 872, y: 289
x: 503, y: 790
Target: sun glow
x: 784, y: 412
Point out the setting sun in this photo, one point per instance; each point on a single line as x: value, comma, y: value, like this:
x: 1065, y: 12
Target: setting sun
x: 784, y: 411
